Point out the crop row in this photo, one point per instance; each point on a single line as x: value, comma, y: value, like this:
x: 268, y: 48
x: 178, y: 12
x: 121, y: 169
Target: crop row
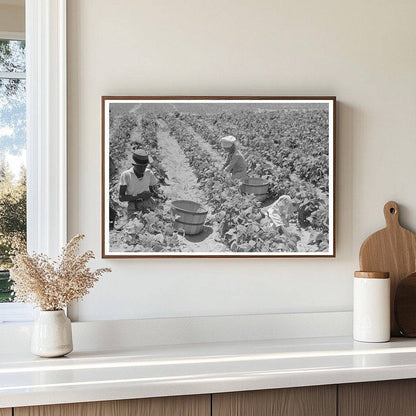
x: 282, y: 166
x: 120, y: 133
x: 297, y: 145
x: 295, y: 141
x: 258, y: 165
x: 238, y: 217
x: 146, y: 231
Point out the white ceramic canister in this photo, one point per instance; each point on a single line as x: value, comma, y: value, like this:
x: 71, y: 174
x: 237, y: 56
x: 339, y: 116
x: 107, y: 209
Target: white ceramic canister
x: 371, y: 313
x: 52, y: 334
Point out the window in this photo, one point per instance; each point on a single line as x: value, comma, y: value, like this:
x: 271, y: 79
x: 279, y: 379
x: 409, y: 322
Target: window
x: 12, y: 153
x: 45, y: 27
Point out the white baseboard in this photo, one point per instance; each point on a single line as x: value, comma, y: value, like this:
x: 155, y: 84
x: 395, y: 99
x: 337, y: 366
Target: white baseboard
x: 102, y: 335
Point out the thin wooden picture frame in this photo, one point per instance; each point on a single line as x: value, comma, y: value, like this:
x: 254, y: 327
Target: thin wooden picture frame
x: 295, y: 122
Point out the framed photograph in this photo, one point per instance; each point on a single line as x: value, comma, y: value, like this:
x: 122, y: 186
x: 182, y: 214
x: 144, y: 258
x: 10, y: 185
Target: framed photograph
x: 218, y: 177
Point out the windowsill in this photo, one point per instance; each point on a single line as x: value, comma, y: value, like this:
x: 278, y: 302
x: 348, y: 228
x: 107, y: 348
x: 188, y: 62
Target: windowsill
x: 16, y: 313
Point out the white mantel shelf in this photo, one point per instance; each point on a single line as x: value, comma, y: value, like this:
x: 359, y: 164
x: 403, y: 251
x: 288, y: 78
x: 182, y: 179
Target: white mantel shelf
x: 151, y: 371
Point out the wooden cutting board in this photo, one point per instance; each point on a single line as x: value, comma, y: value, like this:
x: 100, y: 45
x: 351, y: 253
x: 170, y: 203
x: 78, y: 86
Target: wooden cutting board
x: 393, y: 250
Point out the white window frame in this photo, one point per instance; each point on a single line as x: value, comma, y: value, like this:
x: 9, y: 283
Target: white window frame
x: 12, y: 35
x: 46, y: 127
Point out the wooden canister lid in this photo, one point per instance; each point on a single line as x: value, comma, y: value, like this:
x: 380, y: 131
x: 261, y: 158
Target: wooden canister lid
x: 372, y: 275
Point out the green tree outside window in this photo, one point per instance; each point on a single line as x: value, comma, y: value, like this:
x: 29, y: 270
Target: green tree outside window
x: 12, y: 147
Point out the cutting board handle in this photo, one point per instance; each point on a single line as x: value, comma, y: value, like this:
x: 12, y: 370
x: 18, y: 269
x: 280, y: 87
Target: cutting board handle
x: 391, y: 214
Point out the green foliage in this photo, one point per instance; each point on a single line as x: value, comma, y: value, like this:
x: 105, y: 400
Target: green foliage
x: 5, y: 289
x: 12, y: 214
x: 12, y: 55
x: 13, y: 139
x: 12, y: 59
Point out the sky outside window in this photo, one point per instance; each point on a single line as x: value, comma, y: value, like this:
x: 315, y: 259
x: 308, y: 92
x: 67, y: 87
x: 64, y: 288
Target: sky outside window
x: 13, y: 105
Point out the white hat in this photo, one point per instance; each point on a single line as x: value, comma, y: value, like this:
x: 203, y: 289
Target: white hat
x: 228, y: 141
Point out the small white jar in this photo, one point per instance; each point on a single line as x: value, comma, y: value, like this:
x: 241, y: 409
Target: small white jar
x: 371, y: 314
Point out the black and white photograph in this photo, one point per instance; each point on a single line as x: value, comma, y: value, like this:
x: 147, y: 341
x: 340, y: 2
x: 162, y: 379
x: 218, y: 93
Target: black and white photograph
x: 218, y: 176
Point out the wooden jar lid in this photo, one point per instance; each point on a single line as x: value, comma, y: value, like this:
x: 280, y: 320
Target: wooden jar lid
x: 372, y: 275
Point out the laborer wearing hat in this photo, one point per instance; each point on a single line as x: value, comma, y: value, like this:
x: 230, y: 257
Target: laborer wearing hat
x: 235, y: 163
x: 137, y: 184
x: 280, y: 212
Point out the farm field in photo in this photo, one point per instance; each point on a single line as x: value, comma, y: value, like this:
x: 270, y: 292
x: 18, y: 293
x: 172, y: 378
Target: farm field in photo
x: 285, y: 144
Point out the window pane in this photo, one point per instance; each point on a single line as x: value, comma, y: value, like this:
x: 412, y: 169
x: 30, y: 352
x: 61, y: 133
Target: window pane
x: 12, y: 175
x: 12, y: 117
x: 12, y: 56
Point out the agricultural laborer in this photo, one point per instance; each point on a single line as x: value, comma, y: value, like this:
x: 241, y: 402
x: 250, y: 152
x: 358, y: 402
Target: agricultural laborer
x: 280, y: 212
x: 235, y: 163
x: 137, y: 185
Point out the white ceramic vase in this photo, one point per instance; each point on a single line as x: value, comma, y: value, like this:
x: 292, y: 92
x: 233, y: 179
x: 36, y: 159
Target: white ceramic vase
x: 52, y: 334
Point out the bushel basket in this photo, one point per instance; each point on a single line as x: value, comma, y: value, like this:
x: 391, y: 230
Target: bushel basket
x: 189, y: 216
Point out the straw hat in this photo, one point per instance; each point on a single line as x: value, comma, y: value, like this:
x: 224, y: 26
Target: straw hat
x: 140, y: 157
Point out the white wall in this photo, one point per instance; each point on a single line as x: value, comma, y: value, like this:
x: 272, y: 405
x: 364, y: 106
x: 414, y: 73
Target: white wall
x: 361, y: 51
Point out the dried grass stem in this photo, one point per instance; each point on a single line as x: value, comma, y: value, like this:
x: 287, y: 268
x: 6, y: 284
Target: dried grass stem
x: 53, y: 285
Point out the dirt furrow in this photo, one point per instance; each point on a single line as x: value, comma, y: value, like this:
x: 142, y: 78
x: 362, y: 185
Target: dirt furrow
x: 183, y: 184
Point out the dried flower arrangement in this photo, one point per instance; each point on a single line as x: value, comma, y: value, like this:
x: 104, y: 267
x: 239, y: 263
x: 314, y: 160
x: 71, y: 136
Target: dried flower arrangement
x: 53, y: 285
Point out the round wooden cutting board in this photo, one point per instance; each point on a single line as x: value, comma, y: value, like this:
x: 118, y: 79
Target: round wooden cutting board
x: 393, y: 250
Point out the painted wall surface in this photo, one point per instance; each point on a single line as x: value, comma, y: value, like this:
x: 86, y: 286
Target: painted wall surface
x: 363, y: 52
x: 12, y: 18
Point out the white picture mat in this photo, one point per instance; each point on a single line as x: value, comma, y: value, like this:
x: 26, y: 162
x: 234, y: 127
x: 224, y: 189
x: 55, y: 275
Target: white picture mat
x: 331, y: 199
